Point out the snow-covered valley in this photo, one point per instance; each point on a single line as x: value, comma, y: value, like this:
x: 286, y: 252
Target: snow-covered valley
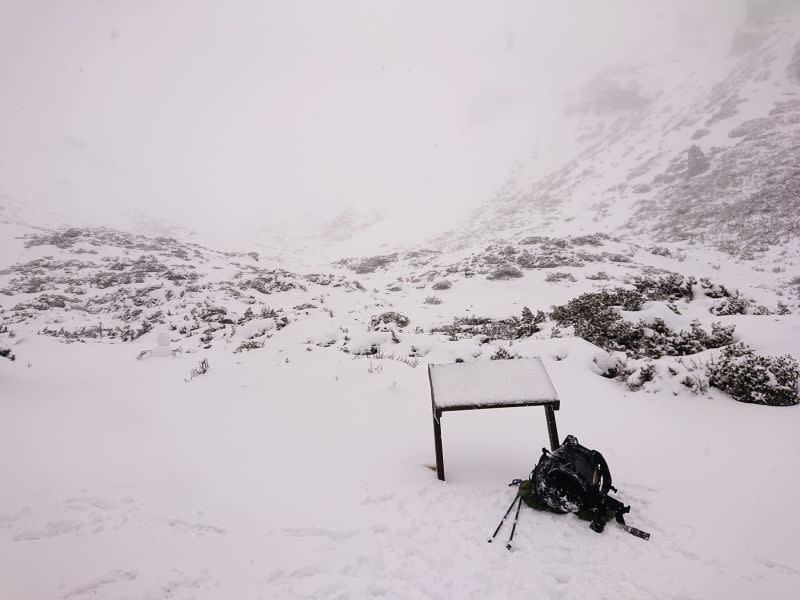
x: 301, y: 467
x: 233, y: 239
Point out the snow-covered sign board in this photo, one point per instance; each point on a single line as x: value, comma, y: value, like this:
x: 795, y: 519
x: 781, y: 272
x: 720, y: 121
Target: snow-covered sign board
x: 490, y: 384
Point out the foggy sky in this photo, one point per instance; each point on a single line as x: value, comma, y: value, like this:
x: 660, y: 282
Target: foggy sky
x: 239, y: 114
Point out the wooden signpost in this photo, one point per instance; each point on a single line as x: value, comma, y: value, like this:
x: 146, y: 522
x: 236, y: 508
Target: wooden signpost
x: 490, y: 384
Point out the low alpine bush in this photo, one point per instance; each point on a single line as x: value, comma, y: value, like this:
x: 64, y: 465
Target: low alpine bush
x: 750, y: 377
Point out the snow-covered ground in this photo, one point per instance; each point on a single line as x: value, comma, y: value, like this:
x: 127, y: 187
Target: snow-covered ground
x: 297, y: 470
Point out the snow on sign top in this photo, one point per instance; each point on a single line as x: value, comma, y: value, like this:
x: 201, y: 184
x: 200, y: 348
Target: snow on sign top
x: 491, y: 382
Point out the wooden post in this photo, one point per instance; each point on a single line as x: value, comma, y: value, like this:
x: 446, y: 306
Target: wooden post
x: 550, y: 415
x: 437, y: 443
x: 437, y: 430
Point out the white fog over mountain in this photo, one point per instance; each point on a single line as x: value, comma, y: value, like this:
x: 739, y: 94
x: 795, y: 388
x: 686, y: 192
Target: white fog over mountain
x: 408, y: 112
x: 255, y: 257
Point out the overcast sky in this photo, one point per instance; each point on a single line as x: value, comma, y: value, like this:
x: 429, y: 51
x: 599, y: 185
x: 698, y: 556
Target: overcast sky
x: 224, y: 114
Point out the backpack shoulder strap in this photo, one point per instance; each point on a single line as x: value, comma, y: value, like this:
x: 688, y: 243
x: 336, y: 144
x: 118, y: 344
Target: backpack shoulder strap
x: 604, y: 471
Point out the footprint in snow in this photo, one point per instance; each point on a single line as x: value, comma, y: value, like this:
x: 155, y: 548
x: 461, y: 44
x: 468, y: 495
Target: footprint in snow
x: 91, y: 588
x: 51, y: 529
x: 195, y: 528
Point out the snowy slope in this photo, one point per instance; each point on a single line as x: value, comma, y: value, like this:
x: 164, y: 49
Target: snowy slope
x: 697, y: 147
x: 299, y: 468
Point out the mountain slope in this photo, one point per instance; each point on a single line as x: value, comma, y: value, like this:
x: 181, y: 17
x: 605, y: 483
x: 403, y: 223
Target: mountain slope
x: 676, y: 153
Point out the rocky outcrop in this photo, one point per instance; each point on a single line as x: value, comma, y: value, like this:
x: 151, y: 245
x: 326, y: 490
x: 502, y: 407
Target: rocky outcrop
x: 696, y: 161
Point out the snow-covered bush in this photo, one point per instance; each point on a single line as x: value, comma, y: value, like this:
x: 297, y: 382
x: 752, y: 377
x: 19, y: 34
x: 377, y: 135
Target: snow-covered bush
x: 201, y: 369
x: 640, y: 376
x: 750, y: 377
x: 369, y: 264
x: 659, y: 340
x: 696, y: 383
x: 556, y: 276
x: 592, y: 239
x: 443, y: 284
x: 592, y: 314
x: 594, y: 318
x: 383, y: 320
x: 599, y: 276
x: 735, y: 304
x: 491, y: 329
x: 611, y: 366
x: 505, y: 272
x: 502, y: 354
x: 433, y: 300
x: 248, y: 345
x: 713, y: 290
x: 670, y: 287
x: 5, y: 352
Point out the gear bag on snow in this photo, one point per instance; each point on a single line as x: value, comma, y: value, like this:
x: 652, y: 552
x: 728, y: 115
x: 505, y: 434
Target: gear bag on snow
x: 575, y: 479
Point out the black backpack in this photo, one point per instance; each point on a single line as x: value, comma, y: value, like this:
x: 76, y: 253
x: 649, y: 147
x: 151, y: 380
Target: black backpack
x: 575, y: 479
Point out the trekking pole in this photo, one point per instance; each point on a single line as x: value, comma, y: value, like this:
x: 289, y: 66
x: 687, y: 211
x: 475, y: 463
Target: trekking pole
x: 503, y: 520
x: 637, y: 532
x: 514, y: 528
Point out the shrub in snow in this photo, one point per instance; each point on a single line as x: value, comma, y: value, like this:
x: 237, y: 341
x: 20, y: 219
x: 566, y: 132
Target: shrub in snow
x: 713, y: 290
x: 660, y: 251
x: 735, y: 304
x: 433, y: 300
x: 248, y: 345
x: 599, y: 276
x: 696, y: 383
x: 444, y: 284
x: 502, y: 354
x: 669, y: 287
x: 760, y: 309
x: 304, y: 306
x: 366, y: 350
x: 556, y: 276
x: 505, y: 272
x: 749, y: 377
x: 594, y: 318
x: 592, y: 239
x: 553, y: 258
x: 201, y: 369
x: 640, y: 376
x: 383, y: 320
x: 503, y: 329
x: 592, y: 314
x: 370, y: 264
x: 6, y: 353
x: 659, y: 340
x: 612, y: 367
